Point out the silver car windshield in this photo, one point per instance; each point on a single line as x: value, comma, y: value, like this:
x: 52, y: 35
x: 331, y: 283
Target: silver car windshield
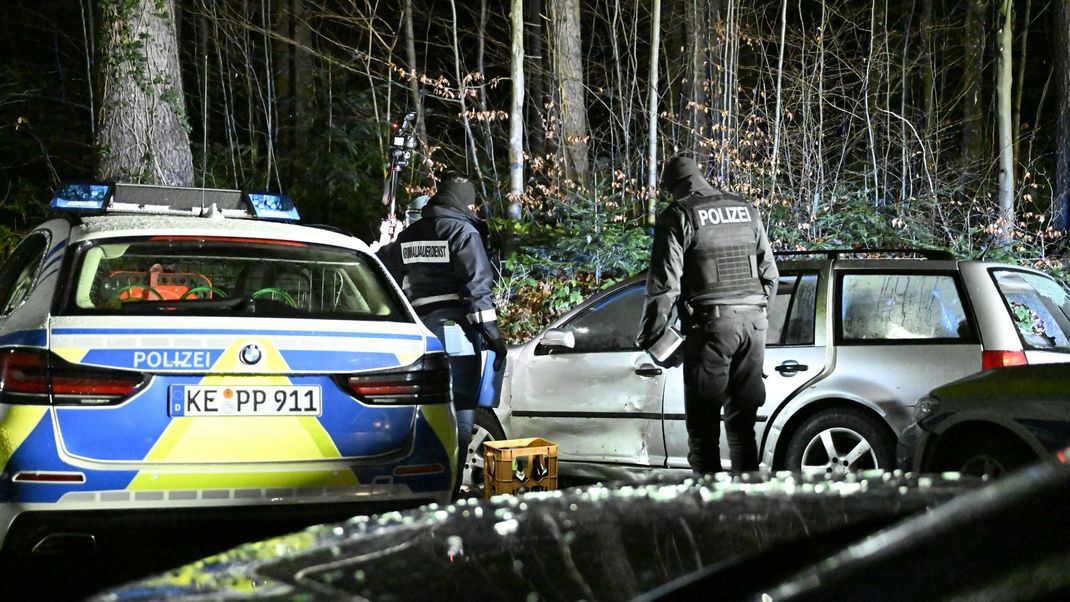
x: 1039, y: 306
x: 230, y: 275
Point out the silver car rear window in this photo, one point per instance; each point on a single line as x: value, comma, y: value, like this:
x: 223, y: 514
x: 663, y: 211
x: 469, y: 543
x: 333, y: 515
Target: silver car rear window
x: 225, y: 275
x: 884, y: 307
x: 1039, y: 307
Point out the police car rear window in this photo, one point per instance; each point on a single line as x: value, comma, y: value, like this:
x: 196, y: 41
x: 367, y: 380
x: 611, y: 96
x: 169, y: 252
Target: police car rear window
x: 230, y: 276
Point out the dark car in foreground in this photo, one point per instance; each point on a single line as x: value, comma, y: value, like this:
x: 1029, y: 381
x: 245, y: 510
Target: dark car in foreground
x: 868, y: 536
x: 594, y: 543
x: 1007, y: 541
x: 992, y: 422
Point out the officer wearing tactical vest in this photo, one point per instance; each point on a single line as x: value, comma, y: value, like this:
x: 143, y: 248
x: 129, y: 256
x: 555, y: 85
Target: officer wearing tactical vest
x: 711, y: 263
x: 442, y: 266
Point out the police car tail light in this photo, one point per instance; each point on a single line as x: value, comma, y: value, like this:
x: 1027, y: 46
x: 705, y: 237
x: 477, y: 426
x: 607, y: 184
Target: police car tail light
x: 28, y: 376
x: 425, y: 381
x: 84, y: 385
x: 23, y: 376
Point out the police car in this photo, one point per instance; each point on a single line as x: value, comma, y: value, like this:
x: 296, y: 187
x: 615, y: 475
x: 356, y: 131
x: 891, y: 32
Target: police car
x: 173, y: 349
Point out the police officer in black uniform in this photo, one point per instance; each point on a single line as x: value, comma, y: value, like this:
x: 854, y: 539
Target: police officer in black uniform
x: 442, y: 266
x: 711, y: 263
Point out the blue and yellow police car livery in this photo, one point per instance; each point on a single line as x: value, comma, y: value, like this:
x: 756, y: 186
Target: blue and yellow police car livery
x: 179, y: 348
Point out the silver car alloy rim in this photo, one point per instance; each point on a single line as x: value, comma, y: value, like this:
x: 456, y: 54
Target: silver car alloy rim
x: 835, y: 451
x: 473, y: 460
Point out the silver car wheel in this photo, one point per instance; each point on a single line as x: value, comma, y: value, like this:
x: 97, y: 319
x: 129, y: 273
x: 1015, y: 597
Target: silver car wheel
x: 836, y: 451
x: 473, y: 459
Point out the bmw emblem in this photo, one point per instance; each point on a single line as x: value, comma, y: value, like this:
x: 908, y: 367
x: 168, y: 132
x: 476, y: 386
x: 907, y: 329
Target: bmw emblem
x: 250, y: 355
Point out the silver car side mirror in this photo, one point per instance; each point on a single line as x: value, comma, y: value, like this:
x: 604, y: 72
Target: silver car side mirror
x: 557, y: 338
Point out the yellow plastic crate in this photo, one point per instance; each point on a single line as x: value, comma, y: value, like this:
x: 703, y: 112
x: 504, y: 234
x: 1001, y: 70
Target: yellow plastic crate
x: 519, y: 465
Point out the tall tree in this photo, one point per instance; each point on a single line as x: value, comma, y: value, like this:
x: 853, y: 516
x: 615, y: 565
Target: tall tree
x: 533, y: 76
x: 516, y: 113
x: 1006, y: 143
x: 1061, y: 196
x: 293, y: 85
x: 414, y: 85
x: 652, y: 114
x: 141, y: 124
x: 462, y: 95
x: 972, y: 87
x: 779, y: 89
x: 925, y: 55
x: 697, y: 27
x: 571, y: 93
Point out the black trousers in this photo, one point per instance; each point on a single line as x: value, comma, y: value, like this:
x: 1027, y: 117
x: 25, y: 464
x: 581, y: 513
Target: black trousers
x: 723, y: 356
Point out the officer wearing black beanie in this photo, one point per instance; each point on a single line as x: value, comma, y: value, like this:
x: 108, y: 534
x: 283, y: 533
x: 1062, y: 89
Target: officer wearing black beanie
x: 443, y: 267
x: 711, y: 256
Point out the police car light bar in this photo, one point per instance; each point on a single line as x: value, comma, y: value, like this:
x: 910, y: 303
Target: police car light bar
x: 169, y: 200
x: 81, y: 197
x: 273, y: 206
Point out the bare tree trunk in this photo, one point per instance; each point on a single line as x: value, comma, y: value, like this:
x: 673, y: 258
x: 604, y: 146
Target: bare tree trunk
x: 866, y: 104
x: 697, y: 28
x: 414, y: 87
x: 925, y: 43
x: 516, y: 111
x: 905, y: 179
x: 304, y: 82
x: 652, y: 115
x: 622, y: 98
x: 269, y: 99
x: 729, y: 82
x: 535, y: 74
x: 779, y: 92
x: 820, y: 191
x: 281, y: 77
x: 571, y: 94
x: 1061, y: 194
x: 972, y: 77
x: 141, y: 134
x: 202, y: 79
x: 1006, y: 140
x: 715, y: 54
x: 1016, y: 129
x: 292, y: 86
x: 462, y: 94
x: 89, y: 35
x: 485, y: 113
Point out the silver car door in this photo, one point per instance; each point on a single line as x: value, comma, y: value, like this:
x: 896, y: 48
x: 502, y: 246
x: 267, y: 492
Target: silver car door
x: 899, y: 335
x: 586, y: 386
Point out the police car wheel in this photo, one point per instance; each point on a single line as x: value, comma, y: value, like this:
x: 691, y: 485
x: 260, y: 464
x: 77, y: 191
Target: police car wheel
x: 486, y: 428
x: 834, y: 442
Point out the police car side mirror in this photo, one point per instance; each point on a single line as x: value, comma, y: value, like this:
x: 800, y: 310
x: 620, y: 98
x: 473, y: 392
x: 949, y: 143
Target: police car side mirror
x: 557, y: 339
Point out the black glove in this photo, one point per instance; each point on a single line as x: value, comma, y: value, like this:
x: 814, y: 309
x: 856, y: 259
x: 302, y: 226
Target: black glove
x: 500, y: 351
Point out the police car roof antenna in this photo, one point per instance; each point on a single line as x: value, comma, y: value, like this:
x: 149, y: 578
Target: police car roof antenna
x: 402, y: 142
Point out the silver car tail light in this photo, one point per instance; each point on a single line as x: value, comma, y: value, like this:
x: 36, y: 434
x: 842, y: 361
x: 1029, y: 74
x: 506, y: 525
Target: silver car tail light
x: 1002, y: 359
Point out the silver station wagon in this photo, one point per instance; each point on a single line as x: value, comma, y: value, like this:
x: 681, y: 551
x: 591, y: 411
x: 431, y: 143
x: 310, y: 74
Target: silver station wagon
x: 855, y: 338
